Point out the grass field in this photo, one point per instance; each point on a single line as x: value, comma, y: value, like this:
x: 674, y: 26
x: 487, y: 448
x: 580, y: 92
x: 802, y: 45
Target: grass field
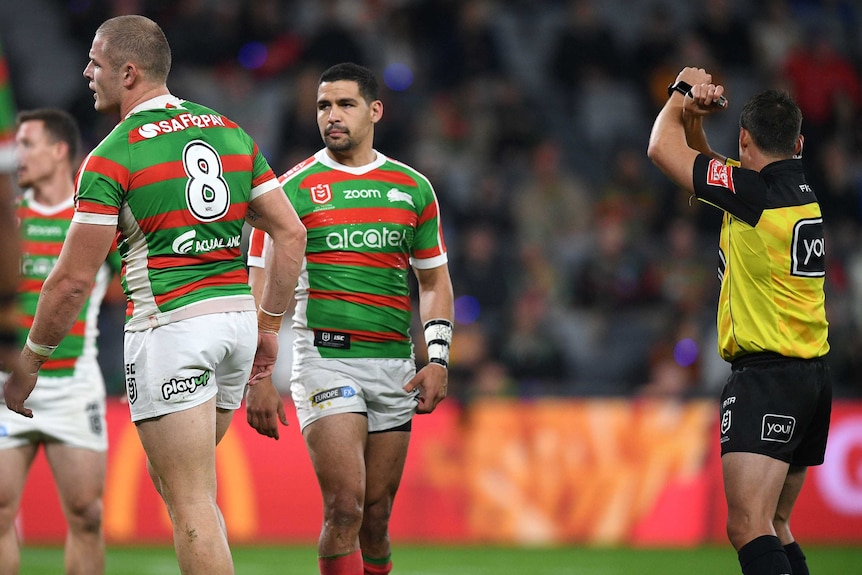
x: 448, y: 560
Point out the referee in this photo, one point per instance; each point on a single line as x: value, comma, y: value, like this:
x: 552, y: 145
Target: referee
x: 772, y: 326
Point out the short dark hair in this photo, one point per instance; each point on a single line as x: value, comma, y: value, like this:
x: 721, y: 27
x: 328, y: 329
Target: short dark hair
x: 774, y: 120
x: 134, y: 38
x: 364, y: 78
x: 59, y: 124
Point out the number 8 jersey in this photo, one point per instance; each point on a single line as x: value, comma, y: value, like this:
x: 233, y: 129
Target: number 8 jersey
x: 176, y: 179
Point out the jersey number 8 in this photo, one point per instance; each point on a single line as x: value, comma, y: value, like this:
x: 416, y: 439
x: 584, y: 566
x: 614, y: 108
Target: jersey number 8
x: 207, y: 193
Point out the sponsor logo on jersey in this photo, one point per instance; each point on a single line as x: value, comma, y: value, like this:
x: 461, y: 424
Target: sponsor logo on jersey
x: 37, y: 266
x: 321, y: 194
x: 777, y: 428
x: 185, y: 243
x: 369, y: 238
x: 35, y: 231
x: 808, y: 251
x: 361, y: 194
x: 718, y: 174
x: 396, y: 195
x: 180, y: 123
x: 327, y: 395
x: 185, y: 385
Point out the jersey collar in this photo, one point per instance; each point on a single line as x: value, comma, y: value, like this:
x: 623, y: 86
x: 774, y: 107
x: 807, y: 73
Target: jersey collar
x: 323, y: 158
x: 163, y: 101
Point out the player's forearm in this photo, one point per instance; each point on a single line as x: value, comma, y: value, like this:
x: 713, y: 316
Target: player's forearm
x: 60, y: 304
x: 283, y: 265
x: 436, y: 297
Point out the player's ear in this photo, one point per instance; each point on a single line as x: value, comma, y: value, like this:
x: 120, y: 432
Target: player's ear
x: 129, y: 73
x: 797, y: 150
x: 376, y: 111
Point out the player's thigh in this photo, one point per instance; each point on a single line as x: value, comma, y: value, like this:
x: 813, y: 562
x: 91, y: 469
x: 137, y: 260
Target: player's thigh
x: 752, y: 484
x: 15, y: 461
x: 181, y: 448
x: 336, y: 444
x: 385, y: 456
x: 79, y: 474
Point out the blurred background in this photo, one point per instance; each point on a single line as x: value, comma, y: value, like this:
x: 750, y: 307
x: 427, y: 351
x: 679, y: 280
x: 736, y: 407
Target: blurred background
x: 584, y: 370
x: 578, y: 269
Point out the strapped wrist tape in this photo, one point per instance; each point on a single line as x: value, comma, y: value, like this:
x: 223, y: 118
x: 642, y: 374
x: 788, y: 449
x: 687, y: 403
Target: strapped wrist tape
x: 39, y: 349
x: 268, y: 321
x: 438, y: 338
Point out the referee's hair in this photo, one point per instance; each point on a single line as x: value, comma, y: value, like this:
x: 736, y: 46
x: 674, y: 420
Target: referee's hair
x: 774, y: 121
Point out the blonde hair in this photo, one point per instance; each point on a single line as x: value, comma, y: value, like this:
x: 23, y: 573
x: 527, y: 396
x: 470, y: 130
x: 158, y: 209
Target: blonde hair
x: 139, y: 40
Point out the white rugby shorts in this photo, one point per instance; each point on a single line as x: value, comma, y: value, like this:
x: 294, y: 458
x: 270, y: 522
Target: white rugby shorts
x: 321, y: 387
x: 69, y: 410
x: 180, y: 365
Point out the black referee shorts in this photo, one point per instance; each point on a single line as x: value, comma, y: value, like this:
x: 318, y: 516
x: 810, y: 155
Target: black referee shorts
x: 779, y: 407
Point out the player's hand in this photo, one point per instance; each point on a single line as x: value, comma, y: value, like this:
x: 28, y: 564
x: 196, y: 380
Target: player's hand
x: 264, y: 408
x: 432, y: 382
x: 264, y: 359
x: 21, y: 382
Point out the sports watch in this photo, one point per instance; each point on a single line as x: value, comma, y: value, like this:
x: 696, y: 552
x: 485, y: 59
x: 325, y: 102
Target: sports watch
x: 684, y: 88
x: 681, y: 87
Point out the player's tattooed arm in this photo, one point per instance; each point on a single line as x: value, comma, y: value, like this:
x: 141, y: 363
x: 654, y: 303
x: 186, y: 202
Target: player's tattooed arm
x: 252, y: 216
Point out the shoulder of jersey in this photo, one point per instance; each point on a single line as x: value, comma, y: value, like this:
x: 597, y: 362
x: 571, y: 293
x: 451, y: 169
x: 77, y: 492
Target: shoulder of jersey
x: 297, y: 168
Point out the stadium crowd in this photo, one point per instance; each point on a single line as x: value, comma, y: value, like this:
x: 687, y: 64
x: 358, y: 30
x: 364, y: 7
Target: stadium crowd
x: 578, y: 270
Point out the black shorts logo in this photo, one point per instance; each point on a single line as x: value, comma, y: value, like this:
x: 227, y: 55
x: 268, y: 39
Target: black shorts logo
x: 725, y: 422
x: 777, y: 428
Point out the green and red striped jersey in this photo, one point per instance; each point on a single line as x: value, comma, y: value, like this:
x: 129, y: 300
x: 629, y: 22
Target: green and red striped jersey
x: 176, y: 178
x: 7, y: 118
x: 365, y: 227
x: 43, y: 230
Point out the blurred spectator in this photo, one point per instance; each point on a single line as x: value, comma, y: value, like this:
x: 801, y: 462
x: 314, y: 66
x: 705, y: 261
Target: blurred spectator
x: 332, y: 40
x: 480, y: 271
x: 585, y: 48
x: 774, y: 35
x: 726, y: 33
x: 530, y: 348
x: 553, y: 207
x: 825, y: 83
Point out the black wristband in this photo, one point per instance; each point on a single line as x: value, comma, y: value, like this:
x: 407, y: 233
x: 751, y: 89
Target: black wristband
x: 681, y: 87
x: 684, y: 88
x: 440, y: 361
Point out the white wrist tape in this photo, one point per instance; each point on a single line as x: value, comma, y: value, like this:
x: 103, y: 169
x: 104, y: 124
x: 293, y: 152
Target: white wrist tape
x: 39, y: 349
x: 438, y: 338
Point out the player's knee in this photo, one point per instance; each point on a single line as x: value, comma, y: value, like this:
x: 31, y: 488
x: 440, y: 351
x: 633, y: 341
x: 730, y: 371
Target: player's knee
x: 343, y: 512
x: 377, y: 514
x: 86, y: 516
